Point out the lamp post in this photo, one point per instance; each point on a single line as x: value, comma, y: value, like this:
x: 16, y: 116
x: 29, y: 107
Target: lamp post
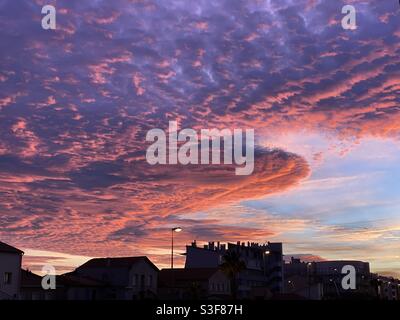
x: 176, y: 229
x: 309, y: 264
x: 336, y: 287
x: 265, y: 253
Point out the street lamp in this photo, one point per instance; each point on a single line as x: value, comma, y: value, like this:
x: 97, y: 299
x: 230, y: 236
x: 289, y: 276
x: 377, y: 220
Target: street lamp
x: 265, y: 253
x: 292, y: 285
x: 176, y: 229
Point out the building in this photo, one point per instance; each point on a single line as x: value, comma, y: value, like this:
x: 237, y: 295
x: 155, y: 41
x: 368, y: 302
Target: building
x: 31, y: 286
x: 303, y: 287
x: 124, y: 278
x: 330, y: 274
x: 264, y: 264
x: 386, y: 288
x: 199, y: 283
x: 69, y: 286
x: 327, y: 274
x: 299, y: 280
x: 10, y: 271
x: 72, y: 286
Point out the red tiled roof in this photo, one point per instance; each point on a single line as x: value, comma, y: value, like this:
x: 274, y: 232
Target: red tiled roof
x: 121, y: 262
x: 4, y: 247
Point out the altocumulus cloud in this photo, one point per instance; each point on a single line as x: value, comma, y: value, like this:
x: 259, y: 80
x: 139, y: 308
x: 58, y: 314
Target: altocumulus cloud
x: 75, y: 105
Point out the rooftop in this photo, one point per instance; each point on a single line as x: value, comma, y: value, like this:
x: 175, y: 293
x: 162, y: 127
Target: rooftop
x: 118, y: 262
x: 75, y: 280
x: 168, y: 277
x: 30, y: 279
x: 4, y: 247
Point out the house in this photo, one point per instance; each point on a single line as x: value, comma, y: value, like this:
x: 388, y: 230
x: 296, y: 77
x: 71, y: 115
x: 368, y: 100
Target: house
x: 123, y: 278
x: 31, y: 287
x: 10, y: 271
x: 72, y: 286
x: 199, y: 283
x: 69, y: 286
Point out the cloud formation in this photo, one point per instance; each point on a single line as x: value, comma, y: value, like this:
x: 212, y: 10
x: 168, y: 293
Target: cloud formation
x: 76, y: 103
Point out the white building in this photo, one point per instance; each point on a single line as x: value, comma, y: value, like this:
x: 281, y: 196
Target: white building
x: 10, y: 271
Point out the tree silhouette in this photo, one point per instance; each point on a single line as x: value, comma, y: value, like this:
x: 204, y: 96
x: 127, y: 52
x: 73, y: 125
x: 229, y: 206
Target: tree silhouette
x: 232, y: 265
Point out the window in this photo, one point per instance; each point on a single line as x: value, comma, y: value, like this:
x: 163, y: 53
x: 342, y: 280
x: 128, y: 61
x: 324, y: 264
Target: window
x: 135, y: 280
x: 150, y: 280
x: 7, y: 277
x: 142, y: 281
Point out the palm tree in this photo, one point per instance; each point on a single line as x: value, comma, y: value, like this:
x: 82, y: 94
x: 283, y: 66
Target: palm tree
x: 232, y: 265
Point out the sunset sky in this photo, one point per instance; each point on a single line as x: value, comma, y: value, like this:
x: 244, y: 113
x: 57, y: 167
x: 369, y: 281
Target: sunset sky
x: 76, y: 103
